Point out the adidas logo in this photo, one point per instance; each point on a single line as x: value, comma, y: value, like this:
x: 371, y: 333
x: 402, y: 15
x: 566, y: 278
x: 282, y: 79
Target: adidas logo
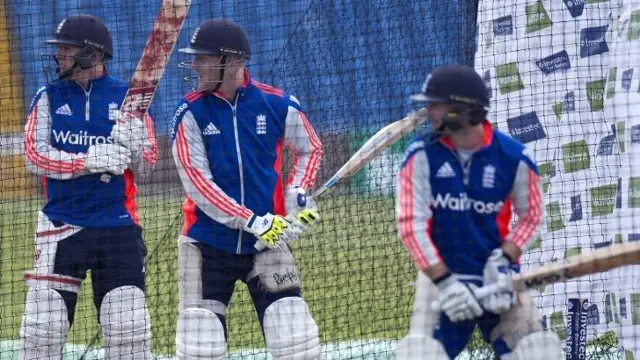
x: 64, y: 110
x: 445, y: 171
x: 211, y: 130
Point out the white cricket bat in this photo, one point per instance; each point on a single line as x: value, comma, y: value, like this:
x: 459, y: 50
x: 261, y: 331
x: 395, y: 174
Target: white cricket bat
x: 378, y: 143
x: 153, y: 62
x: 155, y: 57
x: 591, y: 262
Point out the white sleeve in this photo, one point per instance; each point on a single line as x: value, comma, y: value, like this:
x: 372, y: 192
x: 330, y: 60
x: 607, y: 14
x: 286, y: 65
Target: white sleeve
x: 307, y: 149
x: 190, y: 156
x: 526, y: 196
x: 413, y: 211
x: 145, y: 161
x: 40, y: 157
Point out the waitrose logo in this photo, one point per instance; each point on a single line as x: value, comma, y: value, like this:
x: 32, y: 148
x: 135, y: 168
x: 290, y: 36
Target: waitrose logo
x: 508, y: 78
x: 634, y: 26
x: 80, y: 138
x: 595, y: 95
x: 575, y: 156
x: 603, y: 200
x: 547, y: 171
x: 557, y: 325
x: 554, y: 217
x: 611, y: 82
x: 634, y: 192
x: 537, y: 17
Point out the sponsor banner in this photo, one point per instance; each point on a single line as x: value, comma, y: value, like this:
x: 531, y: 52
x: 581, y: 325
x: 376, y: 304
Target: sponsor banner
x: 573, y: 97
x: 576, y: 342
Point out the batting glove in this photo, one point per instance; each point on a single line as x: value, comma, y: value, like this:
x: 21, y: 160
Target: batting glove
x: 456, y: 299
x: 300, y: 208
x: 129, y: 132
x: 107, y: 158
x: 498, y: 294
x: 270, y: 229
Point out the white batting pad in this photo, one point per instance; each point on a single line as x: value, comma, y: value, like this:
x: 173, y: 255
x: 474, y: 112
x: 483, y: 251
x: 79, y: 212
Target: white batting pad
x: 200, y: 335
x: 290, y: 331
x: 44, y: 325
x: 126, y: 325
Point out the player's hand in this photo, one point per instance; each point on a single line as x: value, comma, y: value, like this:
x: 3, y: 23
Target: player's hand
x: 107, y: 158
x: 270, y: 229
x: 457, y: 300
x: 297, y: 204
x: 497, y: 294
x: 129, y: 132
x: 302, y: 220
x: 302, y: 211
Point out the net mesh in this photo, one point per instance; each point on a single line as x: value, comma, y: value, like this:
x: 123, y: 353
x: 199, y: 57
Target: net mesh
x: 562, y: 80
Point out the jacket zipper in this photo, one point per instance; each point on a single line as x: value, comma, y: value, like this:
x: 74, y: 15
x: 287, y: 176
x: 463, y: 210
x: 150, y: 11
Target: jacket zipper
x: 234, y: 106
x: 466, y: 167
x: 87, y: 106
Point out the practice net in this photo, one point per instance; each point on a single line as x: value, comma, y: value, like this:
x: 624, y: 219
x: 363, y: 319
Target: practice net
x: 562, y: 81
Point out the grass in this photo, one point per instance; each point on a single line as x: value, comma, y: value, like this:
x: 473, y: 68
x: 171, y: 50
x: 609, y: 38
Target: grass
x: 355, y: 274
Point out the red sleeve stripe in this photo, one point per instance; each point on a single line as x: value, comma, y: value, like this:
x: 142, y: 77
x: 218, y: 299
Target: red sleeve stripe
x: 150, y: 156
x: 311, y: 171
x: 42, y: 161
x: 407, y: 234
x: 209, y: 193
x: 268, y: 89
x: 522, y: 234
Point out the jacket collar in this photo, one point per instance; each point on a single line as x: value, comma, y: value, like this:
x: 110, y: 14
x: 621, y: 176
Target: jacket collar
x: 486, y: 141
x: 242, y: 89
x: 97, y: 82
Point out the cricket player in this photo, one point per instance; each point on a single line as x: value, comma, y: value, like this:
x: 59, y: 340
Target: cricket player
x: 228, y: 137
x: 88, y: 165
x: 456, y: 191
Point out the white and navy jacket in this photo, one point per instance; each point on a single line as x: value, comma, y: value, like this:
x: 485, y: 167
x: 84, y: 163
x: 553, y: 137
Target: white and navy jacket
x: 229, y: 157
x: 64, y: 120
x: 458, y: 212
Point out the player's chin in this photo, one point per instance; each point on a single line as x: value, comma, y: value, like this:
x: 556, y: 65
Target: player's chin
x: 64, y: 67
x: 207, y: 85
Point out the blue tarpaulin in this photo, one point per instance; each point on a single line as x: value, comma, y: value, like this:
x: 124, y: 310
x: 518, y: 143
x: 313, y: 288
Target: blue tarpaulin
x: 352, y: 63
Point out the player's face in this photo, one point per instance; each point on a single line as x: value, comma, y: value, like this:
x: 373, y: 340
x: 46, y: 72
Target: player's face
x: 65, y: 56
x: 436, y: 112
x: 208, y: 69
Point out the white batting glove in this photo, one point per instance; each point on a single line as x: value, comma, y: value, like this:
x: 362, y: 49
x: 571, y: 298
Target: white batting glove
x: 301, y: 209
x: 271, y: 229
x: 107, y: 158
x: 457, y: 300
x: 129, y: 132
x: 497, y: 294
